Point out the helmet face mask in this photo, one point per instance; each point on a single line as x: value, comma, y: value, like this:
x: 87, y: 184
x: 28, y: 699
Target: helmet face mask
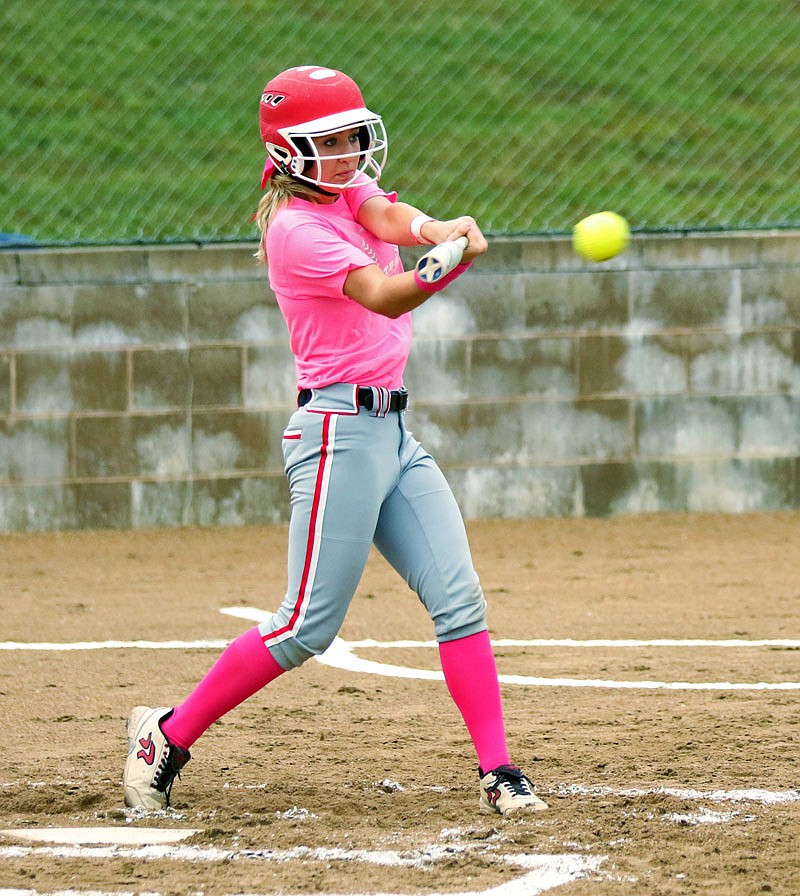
x: 311, y: 102
x: 304, y: 161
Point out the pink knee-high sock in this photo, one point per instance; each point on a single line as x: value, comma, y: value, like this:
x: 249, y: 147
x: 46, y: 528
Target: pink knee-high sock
x: 243, y: 668
x: 471, y: 675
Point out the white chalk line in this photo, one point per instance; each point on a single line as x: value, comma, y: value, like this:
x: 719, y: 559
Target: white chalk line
x: 220, y: 643
x: 735, y: 795
x: 341, y: 655
x: 16, y: 892
x: 66, y: 646
x: 544, y: 872
x: 777, y: 643
x: 130, y: 835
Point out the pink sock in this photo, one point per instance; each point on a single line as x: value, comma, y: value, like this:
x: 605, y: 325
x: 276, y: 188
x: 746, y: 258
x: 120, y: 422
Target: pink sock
x: 243, y: 668
x: 471, y: 675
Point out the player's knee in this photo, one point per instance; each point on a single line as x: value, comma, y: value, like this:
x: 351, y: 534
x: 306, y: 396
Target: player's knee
x: 293, y: 652
x: 461, y: 615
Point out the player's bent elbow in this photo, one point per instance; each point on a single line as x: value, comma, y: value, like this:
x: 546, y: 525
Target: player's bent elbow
x: 389, y: 296
x: 393, y: 313
x: 378, y: 305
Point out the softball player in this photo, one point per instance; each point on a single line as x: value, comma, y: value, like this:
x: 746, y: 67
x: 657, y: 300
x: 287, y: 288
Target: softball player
x: 356, y: 474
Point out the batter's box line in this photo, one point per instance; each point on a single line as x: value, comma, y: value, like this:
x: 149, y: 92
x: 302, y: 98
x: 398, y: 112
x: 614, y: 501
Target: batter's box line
x: 341, y: 655
x: 542, y: 872
x: 691, y: 794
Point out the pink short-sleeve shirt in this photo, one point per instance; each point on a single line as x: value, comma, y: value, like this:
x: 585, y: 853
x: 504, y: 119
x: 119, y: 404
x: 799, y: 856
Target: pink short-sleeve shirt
x: 311, y: 248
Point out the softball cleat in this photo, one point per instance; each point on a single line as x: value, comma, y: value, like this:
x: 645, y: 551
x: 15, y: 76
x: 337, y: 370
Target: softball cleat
x: 506, y: 789
x: 153, y: 762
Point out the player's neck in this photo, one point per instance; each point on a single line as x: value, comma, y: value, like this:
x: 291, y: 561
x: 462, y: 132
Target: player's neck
x: 320, y: 195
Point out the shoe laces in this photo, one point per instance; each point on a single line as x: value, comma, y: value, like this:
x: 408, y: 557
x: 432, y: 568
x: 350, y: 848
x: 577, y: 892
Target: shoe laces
x: 511, y: 776
x: 172, y: 761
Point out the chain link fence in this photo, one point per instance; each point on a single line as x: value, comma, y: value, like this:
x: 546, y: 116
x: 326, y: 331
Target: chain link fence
x: 133, y: 120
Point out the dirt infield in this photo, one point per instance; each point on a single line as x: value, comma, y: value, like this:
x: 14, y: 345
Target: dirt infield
x: 670, y: 764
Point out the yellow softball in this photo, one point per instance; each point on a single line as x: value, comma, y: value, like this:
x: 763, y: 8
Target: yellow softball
x: 601, y: 236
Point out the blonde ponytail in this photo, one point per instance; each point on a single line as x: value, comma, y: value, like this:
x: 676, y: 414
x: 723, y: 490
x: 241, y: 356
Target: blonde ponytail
x: 281, y: 189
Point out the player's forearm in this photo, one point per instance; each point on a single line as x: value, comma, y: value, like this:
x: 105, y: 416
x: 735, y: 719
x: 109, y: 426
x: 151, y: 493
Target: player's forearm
x: 389, y: 296
x: 390, y: 221
x: 400, y: 223
x: 405, y: 225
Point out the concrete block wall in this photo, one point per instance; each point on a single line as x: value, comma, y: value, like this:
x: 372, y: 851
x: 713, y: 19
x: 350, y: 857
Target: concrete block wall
x: 149, y: 386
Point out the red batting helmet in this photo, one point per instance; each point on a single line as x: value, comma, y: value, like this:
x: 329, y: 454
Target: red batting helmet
x: 313, y: 101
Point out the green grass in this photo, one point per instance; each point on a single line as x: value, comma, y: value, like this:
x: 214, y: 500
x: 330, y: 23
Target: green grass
x: 137, y: 121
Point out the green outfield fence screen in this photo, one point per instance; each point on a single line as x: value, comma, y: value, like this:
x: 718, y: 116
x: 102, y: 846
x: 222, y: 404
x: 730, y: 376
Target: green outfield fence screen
x: 137, y: 121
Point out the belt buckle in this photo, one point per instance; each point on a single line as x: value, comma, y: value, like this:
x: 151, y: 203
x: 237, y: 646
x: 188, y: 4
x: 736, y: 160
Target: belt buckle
x: 402, y: 398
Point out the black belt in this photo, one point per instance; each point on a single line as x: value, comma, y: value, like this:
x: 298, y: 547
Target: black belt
x: 398, y: 398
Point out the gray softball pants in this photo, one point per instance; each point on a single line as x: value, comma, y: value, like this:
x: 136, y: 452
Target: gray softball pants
x: 359, y: 477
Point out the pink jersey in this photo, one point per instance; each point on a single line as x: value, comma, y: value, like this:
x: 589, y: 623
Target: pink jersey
x: 311, y: 248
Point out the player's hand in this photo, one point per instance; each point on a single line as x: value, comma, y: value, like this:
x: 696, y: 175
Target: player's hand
x: 466, y: 226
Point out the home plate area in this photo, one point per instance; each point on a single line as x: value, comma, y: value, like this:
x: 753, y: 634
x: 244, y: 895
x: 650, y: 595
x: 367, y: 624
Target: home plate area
x: 526, y: 874
x: 538, y: 873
